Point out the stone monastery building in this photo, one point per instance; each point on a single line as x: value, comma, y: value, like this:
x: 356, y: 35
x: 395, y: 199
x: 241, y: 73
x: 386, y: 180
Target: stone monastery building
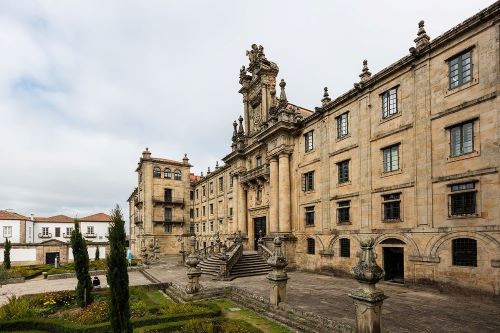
x: 410, y: 156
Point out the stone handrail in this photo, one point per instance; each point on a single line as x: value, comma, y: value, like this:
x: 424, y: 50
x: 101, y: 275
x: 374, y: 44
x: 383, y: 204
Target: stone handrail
x: 229, y: 259
x: 265, y: 251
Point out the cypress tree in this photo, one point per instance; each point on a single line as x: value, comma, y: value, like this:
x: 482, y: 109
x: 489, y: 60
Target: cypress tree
x: 117, y: 274
x: 81, y: 258
x: 6, y: 254
x: 97, y: 253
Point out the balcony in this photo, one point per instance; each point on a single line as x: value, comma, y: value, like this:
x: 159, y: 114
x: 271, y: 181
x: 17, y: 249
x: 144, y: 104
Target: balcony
x: 256, y: 174
x: 161, y: 200
x: 170, y: 220
x: 137, y: 221
x: 90, y: 235
x: 49, y: 235
x: 137, y: 201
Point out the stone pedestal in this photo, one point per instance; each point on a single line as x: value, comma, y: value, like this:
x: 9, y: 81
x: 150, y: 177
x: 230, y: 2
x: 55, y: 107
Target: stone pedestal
x: 367, y: 298
x: 193, y: 271
x: 278, y: 277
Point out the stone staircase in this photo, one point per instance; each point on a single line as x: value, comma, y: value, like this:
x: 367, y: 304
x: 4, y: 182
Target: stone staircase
x: 250, y: 264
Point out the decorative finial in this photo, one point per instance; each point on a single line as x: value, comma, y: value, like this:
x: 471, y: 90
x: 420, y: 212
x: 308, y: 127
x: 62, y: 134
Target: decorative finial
x: 326, y: 97
x: 185, y: 160
x: 146, y: 154
x: 283, y: 100
x: 365, y: 74
x: 235, y: 131
x: 422, y: 39
x: 240, y: 129
x: 208, y: 172
x: 201, y: 174
x: 216, y: 165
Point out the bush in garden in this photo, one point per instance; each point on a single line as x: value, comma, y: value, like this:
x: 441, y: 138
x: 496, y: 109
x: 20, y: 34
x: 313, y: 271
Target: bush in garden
x: 6, y: 254
x: 97, y: 253
x: 97, y: 312
x: 138, y: 309
x: 81, y: 259
x: 17, y: 308
x: 117, y: 275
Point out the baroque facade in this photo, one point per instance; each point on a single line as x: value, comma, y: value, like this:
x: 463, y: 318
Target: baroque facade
x: 410, y: 156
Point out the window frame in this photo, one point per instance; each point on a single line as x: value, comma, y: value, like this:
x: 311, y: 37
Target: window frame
x: 344, y: 248
x: 308, y: 181
x: 455, y: 192
x: 309, y: 141
x: 309, y: 215
x: 7, y: 234
x: 341, y: 206
x: 459, y: 58
x: 156, y: 172
x: 464, y: 261
x: 221, y: 184
x: 311, y: 246
x: 391, y: 101
x: 460, y: 126
x: 388, y: 200
x: 342, y: 169
x: 168, y: 228
x: 177, y: 174
x: 392, y: 148
x: 167, y: 173
x: 340, y: 133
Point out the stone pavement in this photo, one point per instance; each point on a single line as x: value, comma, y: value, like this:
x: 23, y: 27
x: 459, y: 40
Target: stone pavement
x: 406, y: 309
x: 41, y: 285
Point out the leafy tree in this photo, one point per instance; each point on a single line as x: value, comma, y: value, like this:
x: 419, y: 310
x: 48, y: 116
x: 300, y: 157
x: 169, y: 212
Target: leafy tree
x: 117, y: 274
x: 81, y: 258
x: 97, y: 253
x: 6, y: 254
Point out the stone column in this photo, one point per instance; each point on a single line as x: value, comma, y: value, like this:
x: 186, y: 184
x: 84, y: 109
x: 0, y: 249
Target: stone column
x: 273, y: 196
x: 367, y: 299
x: 278, y: 277
x: 236, y: 185
x: 242, y: 207
x: 284, y: 193
x: 193, y: 271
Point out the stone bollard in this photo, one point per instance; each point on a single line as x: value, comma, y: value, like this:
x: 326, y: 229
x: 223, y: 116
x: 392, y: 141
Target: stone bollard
x: 278, y: 277
x: 217, y: 243
x: 367, y: 299
x: 193, y: 271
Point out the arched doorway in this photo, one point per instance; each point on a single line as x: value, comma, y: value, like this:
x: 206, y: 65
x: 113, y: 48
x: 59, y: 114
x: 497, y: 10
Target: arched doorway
x: 393, y: 259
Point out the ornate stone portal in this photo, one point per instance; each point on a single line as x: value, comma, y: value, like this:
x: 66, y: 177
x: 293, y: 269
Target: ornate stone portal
x: 193, y: 271
x: 367, y: 299
x: 278, y: 277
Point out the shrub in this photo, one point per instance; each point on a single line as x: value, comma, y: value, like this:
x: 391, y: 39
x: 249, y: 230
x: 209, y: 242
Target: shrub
x: 57, y: 299
x: 6, y: 254
x: 81, y: 257
x: 182, y: 308
x: 198, y: 326
x: 17, y: 308
x: 97, y: 253
x: 97, y: 312
x: 138, y: 309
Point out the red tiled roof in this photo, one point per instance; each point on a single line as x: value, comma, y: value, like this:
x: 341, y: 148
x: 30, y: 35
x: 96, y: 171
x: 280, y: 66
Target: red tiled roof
x: 56, y: 218
x: 194, y: 178
x: 99, y: 217
x: 6, y: 215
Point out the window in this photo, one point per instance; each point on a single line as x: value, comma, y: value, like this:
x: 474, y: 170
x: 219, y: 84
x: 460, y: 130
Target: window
x: 461, y: 139
x: 167, y: 173
x: 462, y: 199
x: 58, y: 232
x: 345, y: 247
x: 460, y: 69
x: 7, y: 231
x: 464, y: 252
x: 309, y: 215
x: 343, y: 170
x: 342, y: 125
x: 230, y: 211
x: 391, y: 205
x: 197, y: 227
x: 45, y: 231
x: 231, y: 181
x: 311, y: 246
x: 204, y: 227
x: 197, y: 212
x: 167, y: 194
x: 168, y: 214
x: 308, y: 139
x: 343, y: 208
x: 204, y: 190
x: 168, y: 228
x: 258, y: 194
x: 177, y: 175
x: 221, y: 184
x: 191, y: 213
x: 211, y: 225
x: 211, y: 187
x: 308, y: 181
x: 197, y: 194
x: 203, y: 209
x: 191, y: 228
x: 69, y: 230
x: 211, y: 208
x: 389, y: 103
x: 156, y: 172
x: 391, y: 158
x: 191, y: 195
x: 90, y: 229
x: 258, y: 159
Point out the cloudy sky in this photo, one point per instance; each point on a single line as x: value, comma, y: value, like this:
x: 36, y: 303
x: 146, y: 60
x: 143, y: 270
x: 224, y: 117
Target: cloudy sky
x: 86, y: 85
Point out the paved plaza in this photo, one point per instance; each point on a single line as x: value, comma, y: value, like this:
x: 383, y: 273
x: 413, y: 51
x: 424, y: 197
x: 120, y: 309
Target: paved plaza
x: 406, y: 309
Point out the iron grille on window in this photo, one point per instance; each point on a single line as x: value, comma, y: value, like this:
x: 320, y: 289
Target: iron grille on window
x: 308, y: 181
x: 392, y: 210
x: 462, y: 139
x: 342, y: 125
x: 345, y: 247
x: 343, y: 169
x: 463, y: 199
x: 308, y: 138
x: 389, y: 103
x: 168, y: 228
x: 309, y: 215
x: 391, y: 158
x: 311, y: 246
x: 343, y: 211
x: 460, y: 69
x: 464, y: 252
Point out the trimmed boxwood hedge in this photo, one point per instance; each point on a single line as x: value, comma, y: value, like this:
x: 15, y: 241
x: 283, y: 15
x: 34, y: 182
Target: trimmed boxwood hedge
x: 175, y: 326
x: 61, y: 326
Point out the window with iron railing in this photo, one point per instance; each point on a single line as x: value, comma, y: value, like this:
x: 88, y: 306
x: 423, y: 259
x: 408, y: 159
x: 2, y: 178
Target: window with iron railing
x: 462, y: 200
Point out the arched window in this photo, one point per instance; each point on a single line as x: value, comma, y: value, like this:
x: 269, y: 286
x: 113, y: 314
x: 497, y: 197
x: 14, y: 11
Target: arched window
x: 177, y: 175
x: 156, y: 172
x: 311, y: 246
x: 345, y: 247
x: 167, y: 173
x: 464, y: 252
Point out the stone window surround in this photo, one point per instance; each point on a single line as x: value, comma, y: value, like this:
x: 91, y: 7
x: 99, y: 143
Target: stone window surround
x: 310, y: 134
x: 311, y: 211
x: 398, y: 143
x: 476, y: 139
x: 401, y: 207
x: 337, y: 208
x: 477, y: 189
x: 338, y: 118
x: 387, y: 92
x: 475, y: 72
x: 349, y: 168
